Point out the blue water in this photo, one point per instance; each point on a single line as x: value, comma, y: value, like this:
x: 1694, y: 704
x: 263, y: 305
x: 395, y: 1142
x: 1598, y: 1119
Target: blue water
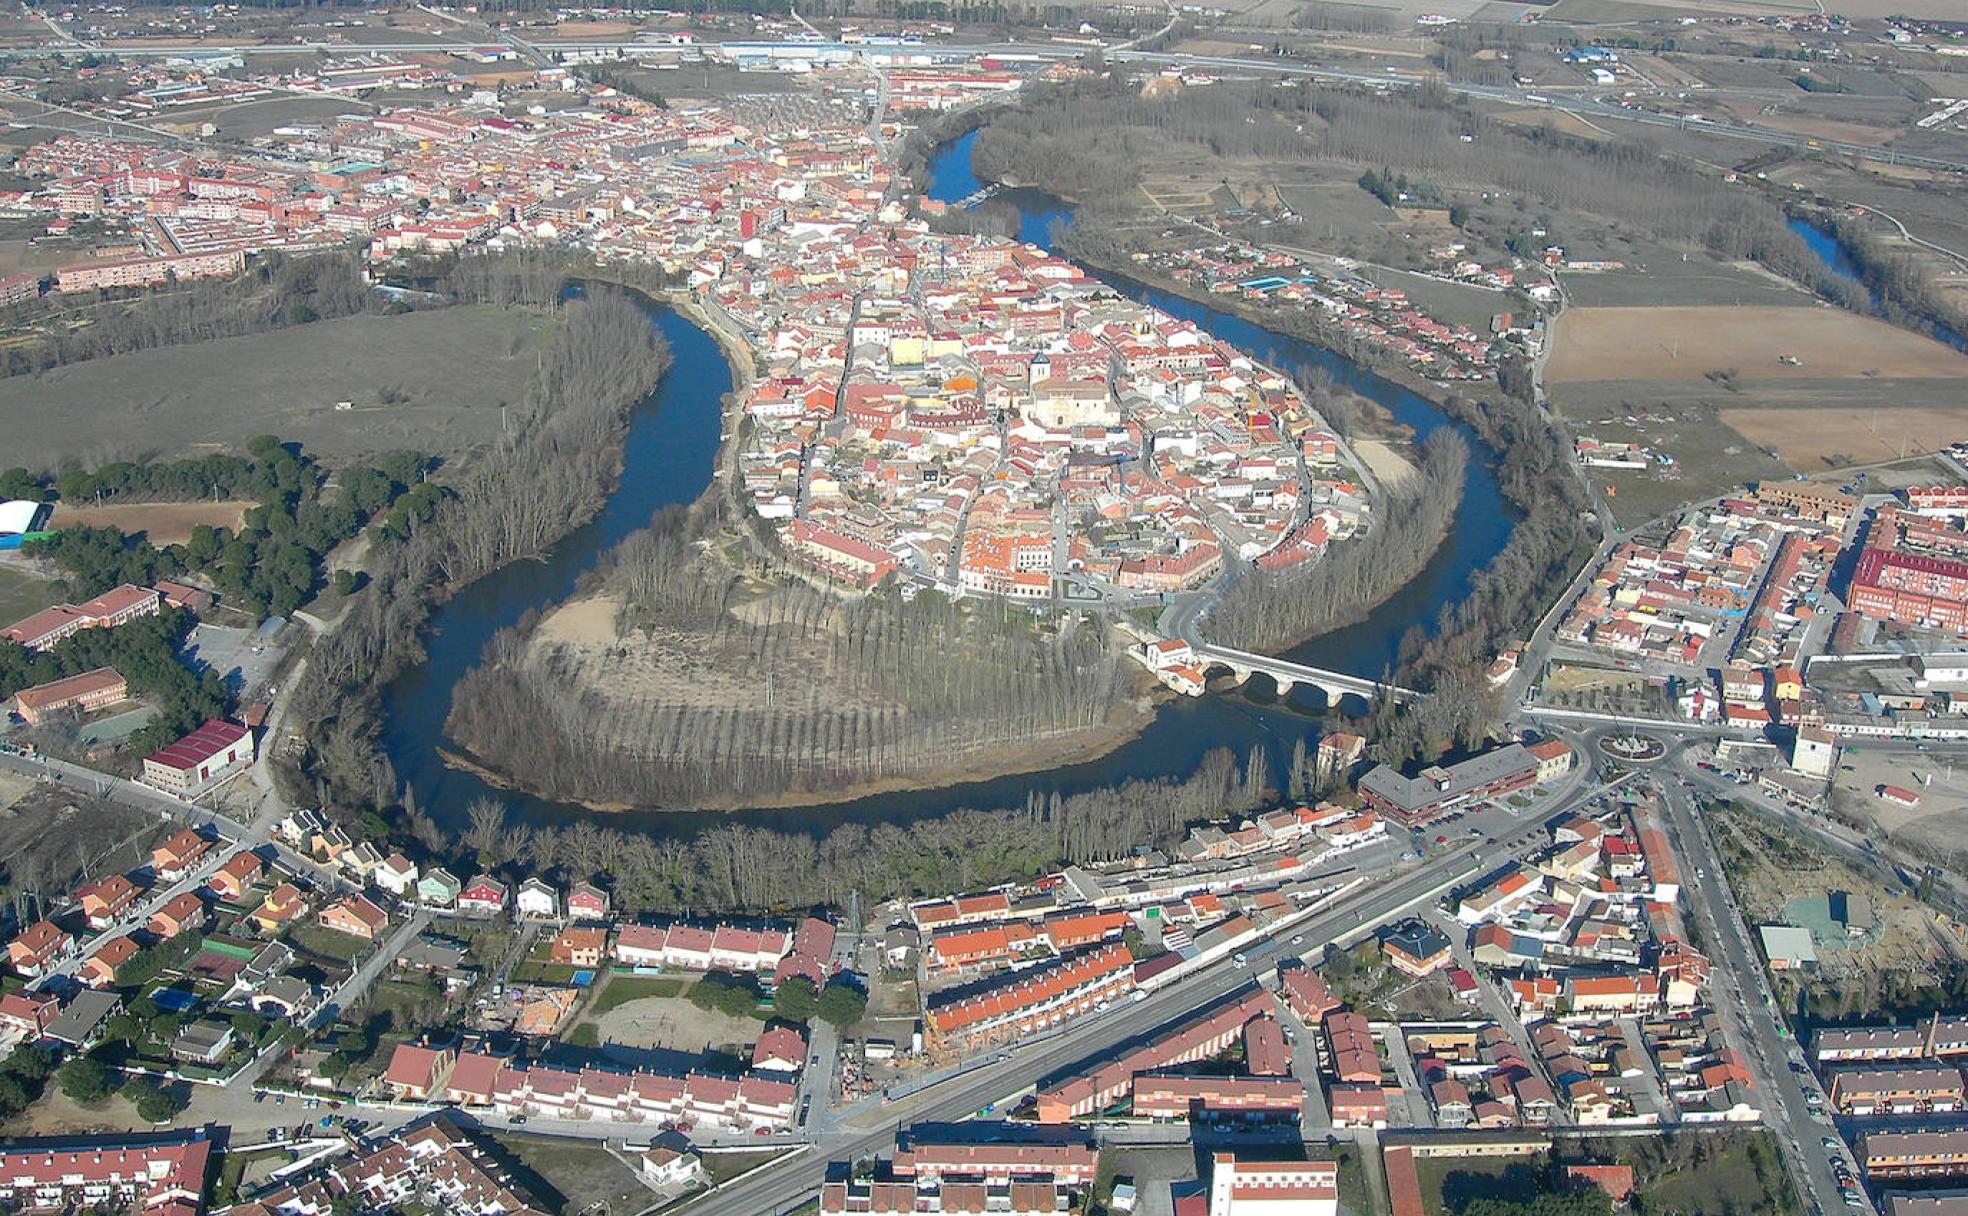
x: 1835, y: 259
x: 671, y: 449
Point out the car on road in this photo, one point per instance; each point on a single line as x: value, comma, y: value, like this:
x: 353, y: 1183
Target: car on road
x: 1832, y: 1142
x: 1240, y: 960
x: 1297, y: 938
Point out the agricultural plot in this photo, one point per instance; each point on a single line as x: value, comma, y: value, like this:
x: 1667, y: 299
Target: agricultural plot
x: 433, y: 380
x: 1683, y: 343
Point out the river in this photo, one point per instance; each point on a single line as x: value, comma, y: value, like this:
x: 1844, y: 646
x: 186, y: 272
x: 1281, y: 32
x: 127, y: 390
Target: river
x: 1825, y: 245
x: 671, y: 449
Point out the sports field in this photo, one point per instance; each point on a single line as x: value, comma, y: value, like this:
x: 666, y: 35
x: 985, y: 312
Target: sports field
x: 1677, y: 343
x: 162, y: 523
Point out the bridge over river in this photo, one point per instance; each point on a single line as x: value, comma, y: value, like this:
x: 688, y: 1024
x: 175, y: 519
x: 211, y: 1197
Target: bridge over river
x: 1335, y: 684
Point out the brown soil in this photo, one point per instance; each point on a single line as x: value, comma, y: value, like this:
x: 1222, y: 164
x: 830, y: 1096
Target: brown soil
x: 161, y: 523
x: 1687, y: 343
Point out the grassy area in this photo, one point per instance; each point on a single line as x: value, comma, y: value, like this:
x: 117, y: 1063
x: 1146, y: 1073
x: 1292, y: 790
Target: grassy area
x: 540, y: 971
x: 1450, y: 1183
x: 618, y: 990
x: 584, y: 1173
x: 1726, y: 1182
x: 21, y: 594
x: 722, y: 1167
x: 1355, y: 1194
x: 433, y: 380
x: 233, y: 1166
x: 326, y: 943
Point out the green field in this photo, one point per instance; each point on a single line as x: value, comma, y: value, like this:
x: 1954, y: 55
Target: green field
x: 22, y: 594
x: 619, y: 990
x: 1448, y: 1184
x: 583, y: 1173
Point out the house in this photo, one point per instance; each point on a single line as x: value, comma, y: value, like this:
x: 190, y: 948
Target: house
x: 28, y: 1013
x: 580, y: 946
x: 361, y: 860
x: 437, y: 888
x: 174, y: 858
x: 587, y: 902
x: 537, y: 900
x: 484, y: 895
x: 231, y: 880
x: 38, y: 947
x: 105, y: 900
x: 1416, y: 948
x: 203, y: 1042
x: 396, y: 874
x: 81, y: 1019
x: 182, y: 913
x: 287, y: 996
x: 200, y: 760
x: 161, y: 1175
x: 99, y: 969
x: 281, y: 907
x: 416, y: 1071
x: 780, y: 1048
x: 674, y: 1168
x: 355, y: 916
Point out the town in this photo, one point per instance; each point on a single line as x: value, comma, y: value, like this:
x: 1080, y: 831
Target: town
x: 1675, y: 929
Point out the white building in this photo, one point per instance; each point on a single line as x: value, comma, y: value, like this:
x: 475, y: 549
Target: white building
x: 1272, y: 1188
x: 1815, y: 754
x: 536, y: 900
x: 396, y: 874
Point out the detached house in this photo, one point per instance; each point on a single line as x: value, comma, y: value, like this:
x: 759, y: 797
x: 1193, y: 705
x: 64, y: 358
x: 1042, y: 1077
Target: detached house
x: 99, y: 969
x: 182, y: 913
x: 536, y: 900
x: 396, y: 874
x: 438, y: 888
x: 282, y: 905
x: 587, y: 902
x: 231, y: 880
x: 355, y: 916
x: 484, y: 895
x: 580, y: 946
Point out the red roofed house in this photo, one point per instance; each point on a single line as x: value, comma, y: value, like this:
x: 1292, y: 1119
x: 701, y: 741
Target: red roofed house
x: 113, y: 607
x: 416, y: 1072
x: 231, y: 880
x: 181, y: 913
x: 28, y: 1012
x: 281, y: 906
x: 1357, y: 1105
x: 105, y: 900
x: 202, y: 758
x: 39, y: 946
x: 174, y: 858
x: 580, y: 946
x: 781, y: 1048
x: 99, y: 969
x: 355, y: 916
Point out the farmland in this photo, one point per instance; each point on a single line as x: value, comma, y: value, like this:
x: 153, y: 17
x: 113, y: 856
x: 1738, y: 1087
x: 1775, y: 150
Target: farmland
x: 430, y: 380
x: 1688, y: 343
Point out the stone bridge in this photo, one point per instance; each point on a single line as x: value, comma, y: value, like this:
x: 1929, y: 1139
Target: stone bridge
x: 1287, y: 675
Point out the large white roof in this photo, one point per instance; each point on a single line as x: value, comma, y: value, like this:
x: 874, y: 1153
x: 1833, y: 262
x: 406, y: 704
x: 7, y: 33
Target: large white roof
x: 17, y: 516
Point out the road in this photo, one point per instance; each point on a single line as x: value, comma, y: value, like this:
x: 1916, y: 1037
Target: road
x: 1742, y: 997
